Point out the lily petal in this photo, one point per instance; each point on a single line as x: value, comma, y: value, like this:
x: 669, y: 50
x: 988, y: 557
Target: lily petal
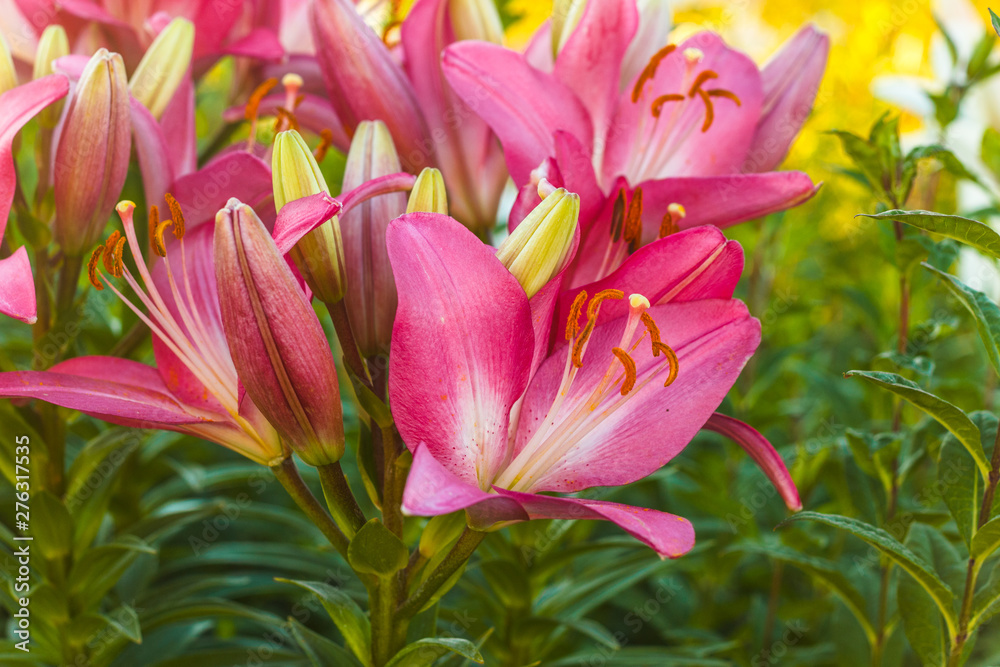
x: 17, y: 299
x: 724, y: 201
x: 17, y: 107
x: 713, y: 340
x: 590, y: 62
x: 432, y: 490
x: 144, y: 404
x: 298, y: 218
x: 668, y: 535
x: 690, y: 265
x: 791, y: 80
x: 153, y: 152
x: 524, y: 106
x: 461, y: 344
x: 762, y: 452
x: 236, y: 174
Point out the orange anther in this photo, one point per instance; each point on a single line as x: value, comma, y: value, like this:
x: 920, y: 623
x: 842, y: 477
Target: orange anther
x: 595, y: 303
x: 654, y: 331
x: 671, y: 356
x: 109, y: 249
x: 663, y: 99
x: 119, y: 263
x: 722, y: 92
x: 176, y: 214
x: 154, y: 221
x: 581, y: 341
x: 573, y: 321
x: 633, y: 218
x: 326, y: 140
x: 253, y: 104
x: 700, y: 79
x: 92, y: 267
x: 159, y: 246
x: 649, y: 71
x: 629, y: 365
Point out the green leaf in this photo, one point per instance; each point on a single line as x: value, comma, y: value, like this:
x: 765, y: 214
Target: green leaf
x: 346, y: 615
x: 990, y: 150
x: 864, y: 155
x: 973, y: 233
x: 320, y: 650
x: 995, y: 21
x: 424, y: 652
x: 921, y: 618
x: 98, y: 569
x: 825, y: 572
x: 52, y: 526
x: 949, y: 416
x: 896, y: 551
x: 987, y: 540
x: 125, y: 621
x: 509, y: 583
x: 985, y: 312
x: 375, y: 550
x: 958, y: 479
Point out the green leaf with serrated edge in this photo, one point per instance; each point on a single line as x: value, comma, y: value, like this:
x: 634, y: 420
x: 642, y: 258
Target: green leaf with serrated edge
x: 958, y: 479
x: 321, y: 651
x: 987, y: 540
x: 375, y: 550
x: 52, y: 526
x: 346, y: 615
x: 946, y: 414
x: 426, y: 651
x: 983, y: 310
x: 970, y: 232
x: 893, y: 549
x: 823, y: 571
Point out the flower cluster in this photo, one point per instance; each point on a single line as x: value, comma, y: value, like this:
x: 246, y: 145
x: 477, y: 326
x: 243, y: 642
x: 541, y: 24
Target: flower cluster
x: 586, y: 349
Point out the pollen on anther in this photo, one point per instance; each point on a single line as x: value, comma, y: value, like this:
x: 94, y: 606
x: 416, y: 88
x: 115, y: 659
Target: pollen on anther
x: 654, y: 331
x: 109, y: 250
x: 658, y: 103
x: 154, y: 221
x: 595, y: 304
x: 253, y: 104
x: 573, y: 321
x: 159, y: 247
x: 581, y: 341
x: 701, y: 79
x: 177, y: 215
x: 326, y: 140
x: 633, y: 218
x: 95, y: 257
x: 649, y: 71
x: 119, y: 263
x: 672, y: 357
x: 628, y: 364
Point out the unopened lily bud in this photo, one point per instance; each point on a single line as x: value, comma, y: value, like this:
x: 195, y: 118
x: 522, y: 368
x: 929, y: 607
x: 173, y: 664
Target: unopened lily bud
x: 319, y: 255
x: 371, y: 289
x: 93, y: 153
x: 52, y: 45
x: 278, y: 345
x: 476, y: 19
x: 163, y: 66
x: 8, y: 75
x: 428, y: 194
x: 537, y: 250
x: 566, y: 14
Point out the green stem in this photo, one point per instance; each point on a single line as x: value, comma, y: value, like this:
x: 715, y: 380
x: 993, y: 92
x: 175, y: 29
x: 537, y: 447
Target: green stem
x: 288, y: 475
x: 392, y: 486
x: 459, y: 554
x: 382, y: 595
x: 991, y: 483
x: 342, y: 503
x: 69, y: 276
x: 352, y: 356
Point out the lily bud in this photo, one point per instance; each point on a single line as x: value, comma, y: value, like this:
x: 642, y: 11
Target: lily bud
x: 278, y: 345
x: 566, y: 14
x: 476, y: 19
x: 163, y: 66
x: 371, y: 293
x: 319, y: 255
x: 52, y: 45
x: 428, y: 194
x: 93, y: 153
x: 8, y: 75
x: 537, y: 250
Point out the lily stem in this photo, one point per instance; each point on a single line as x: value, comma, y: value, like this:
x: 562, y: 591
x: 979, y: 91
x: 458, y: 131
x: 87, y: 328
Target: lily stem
x: 392, y: 488
x: 288, y: 475
x: 339, y: 498
x: 69, y: 276
x: 459, y: 554
x: 352, y: 356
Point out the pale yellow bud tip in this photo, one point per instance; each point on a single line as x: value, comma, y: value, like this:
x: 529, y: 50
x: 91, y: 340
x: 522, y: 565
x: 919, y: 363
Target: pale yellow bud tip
x: 428, y: 194
x: 163, y: 66
x: 539, y: 248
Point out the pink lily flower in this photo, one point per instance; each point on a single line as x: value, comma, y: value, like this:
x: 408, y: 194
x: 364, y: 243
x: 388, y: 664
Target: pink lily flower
x: 429, y: 124
x: 493, y: 425
x: 17, y: 107
x: 681, y: 132
x: 222, y: 27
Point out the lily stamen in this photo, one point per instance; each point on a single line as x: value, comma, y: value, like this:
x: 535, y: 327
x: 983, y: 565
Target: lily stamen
x: 253, y: 107
x: 649, y: 71
x: 628, y: 364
